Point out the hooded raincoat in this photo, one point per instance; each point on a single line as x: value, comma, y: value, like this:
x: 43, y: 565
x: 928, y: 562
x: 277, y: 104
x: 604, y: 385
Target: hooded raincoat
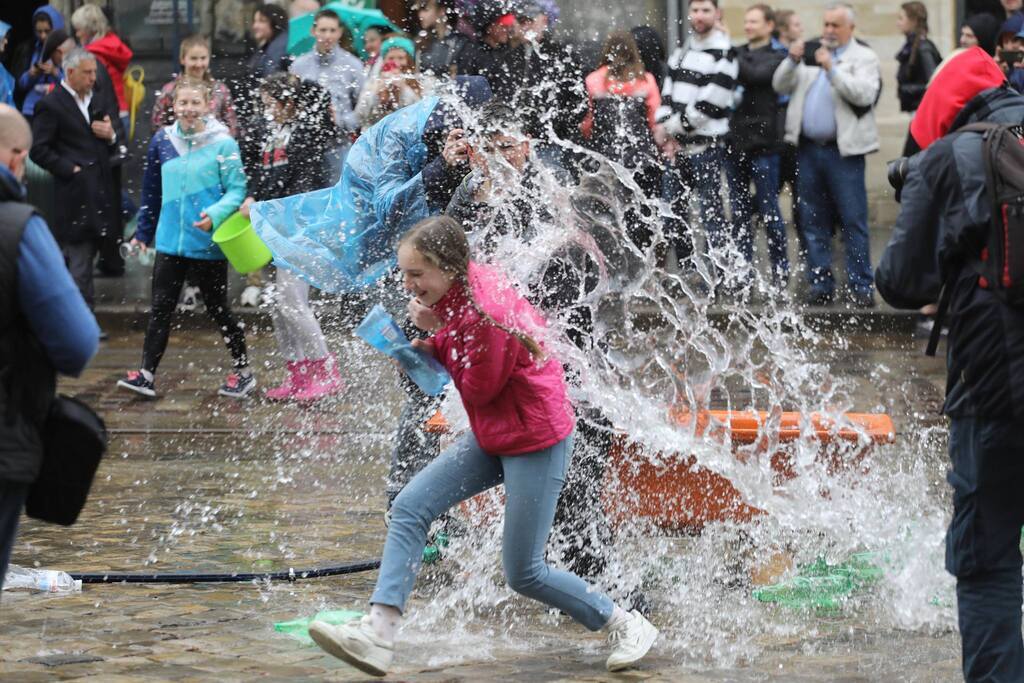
x: 114, y: 55
x: 944, y: 217
x: 29, y: 88
x: 343, y: 238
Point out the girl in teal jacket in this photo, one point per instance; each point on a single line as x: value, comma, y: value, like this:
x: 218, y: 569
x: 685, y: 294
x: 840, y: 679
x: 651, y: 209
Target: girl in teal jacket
x: 193, y: 182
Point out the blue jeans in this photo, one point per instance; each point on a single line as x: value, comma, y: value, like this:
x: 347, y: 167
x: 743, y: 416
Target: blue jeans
x: 532, y: 484
x: 700, y: 173
x: 764, y: 171
x: 983, y: 544
x: 12, y: 500
x: 829, y: 185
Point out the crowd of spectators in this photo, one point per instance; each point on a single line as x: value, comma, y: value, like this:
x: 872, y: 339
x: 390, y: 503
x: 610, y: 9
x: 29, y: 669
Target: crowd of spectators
x: 716, y: 123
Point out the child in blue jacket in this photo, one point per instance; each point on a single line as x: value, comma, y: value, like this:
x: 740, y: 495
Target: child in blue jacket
x: 193, y: 182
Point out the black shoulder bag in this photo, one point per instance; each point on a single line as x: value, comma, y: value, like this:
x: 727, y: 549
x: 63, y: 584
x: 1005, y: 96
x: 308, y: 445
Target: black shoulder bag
x: 74, y: 441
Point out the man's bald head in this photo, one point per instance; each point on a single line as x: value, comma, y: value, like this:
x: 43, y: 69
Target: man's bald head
x: 15, y: 140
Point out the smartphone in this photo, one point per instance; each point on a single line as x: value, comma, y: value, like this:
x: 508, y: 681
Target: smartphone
x: 810, y: 47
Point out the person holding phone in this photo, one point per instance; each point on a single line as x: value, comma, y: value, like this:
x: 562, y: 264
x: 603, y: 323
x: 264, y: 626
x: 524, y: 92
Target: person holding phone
x: 831, y: 119
x: 1010, y: 55
x: 398, y: 85
x: 36, y: 75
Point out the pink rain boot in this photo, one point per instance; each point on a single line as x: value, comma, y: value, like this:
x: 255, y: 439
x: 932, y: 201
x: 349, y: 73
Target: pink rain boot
x: 293, y: 383
x: 323, y: 380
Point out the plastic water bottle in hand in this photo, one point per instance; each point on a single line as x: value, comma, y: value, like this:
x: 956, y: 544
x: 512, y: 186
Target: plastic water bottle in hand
x: 41, y: 580
x: 129, y: 250
x: 380, y: 331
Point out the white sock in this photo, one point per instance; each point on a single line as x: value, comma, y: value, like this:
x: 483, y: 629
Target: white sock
x: 244, y: 372
x: 147, y: 374
x: 619, y: 616
x: 385, y: 621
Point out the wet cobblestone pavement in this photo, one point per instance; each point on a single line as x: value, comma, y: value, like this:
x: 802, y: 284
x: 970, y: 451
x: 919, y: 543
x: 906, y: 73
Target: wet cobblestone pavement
x: 196, y: 482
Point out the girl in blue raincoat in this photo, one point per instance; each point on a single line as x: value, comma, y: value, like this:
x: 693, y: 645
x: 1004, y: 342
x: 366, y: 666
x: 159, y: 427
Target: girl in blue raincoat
x: 342, y: 238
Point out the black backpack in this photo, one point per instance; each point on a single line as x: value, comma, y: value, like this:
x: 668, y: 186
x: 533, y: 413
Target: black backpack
x: 1000, y: 264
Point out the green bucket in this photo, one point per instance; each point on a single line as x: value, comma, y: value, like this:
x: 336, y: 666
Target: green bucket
x: 245, y: 250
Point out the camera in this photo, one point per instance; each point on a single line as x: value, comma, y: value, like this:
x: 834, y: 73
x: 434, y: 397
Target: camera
x: 896, y: 172
x: 1011, y: 58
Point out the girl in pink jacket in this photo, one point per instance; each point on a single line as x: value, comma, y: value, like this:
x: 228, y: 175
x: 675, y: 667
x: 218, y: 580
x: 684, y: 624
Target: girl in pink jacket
x: 521, y: 435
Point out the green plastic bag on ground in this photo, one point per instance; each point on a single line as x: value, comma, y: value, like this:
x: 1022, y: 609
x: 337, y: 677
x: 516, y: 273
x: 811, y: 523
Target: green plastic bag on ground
x: 299, y: 628
x: 821, y: 585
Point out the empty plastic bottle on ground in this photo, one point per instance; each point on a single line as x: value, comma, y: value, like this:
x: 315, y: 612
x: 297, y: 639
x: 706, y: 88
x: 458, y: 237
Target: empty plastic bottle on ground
x: 42, y: 580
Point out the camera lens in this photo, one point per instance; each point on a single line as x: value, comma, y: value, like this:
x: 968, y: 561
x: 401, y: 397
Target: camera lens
x: 896, y: 171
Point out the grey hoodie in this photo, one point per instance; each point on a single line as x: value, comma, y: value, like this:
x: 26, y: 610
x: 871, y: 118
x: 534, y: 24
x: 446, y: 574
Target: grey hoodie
x: 341, y: 75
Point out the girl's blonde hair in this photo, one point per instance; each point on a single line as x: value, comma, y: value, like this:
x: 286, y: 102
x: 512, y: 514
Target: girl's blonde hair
x: 442, y: 242
x: 193, y: 41
x: 189, y: 83
x: 91, y: 19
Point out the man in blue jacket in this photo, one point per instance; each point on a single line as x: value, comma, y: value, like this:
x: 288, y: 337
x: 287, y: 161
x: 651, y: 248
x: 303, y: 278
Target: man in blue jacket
x: 45, y: 328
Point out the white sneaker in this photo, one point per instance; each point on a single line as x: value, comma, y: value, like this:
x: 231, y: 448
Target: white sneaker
x: 250, y: 297
x: 630, y: 640
x: 355, y: 643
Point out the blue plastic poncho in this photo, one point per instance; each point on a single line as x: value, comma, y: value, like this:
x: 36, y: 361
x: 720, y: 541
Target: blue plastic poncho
x: 342, y: 238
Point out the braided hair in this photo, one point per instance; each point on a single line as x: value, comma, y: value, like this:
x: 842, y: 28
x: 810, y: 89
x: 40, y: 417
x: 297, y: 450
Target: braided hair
x: 442, y: 242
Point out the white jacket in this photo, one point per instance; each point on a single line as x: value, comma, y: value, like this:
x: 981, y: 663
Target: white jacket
x: 856, y: 79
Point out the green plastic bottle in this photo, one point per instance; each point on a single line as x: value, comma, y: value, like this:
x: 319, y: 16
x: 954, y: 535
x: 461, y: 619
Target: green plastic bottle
x: 432, y: 553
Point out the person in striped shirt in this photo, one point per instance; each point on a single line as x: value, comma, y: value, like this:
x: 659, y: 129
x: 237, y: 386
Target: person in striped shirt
x: 692, y: 122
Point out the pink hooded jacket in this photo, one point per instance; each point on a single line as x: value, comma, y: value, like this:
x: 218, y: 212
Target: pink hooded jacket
x: 515, y: 404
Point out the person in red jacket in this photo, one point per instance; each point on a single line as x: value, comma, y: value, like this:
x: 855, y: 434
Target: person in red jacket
x: 521, y: 435
x: 93, y: 32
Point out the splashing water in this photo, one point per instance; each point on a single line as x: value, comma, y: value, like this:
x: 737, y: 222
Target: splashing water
x: 691, y: 341
x: 686, y: 339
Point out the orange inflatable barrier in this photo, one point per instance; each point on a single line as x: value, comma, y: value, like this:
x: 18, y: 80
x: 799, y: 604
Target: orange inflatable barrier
x: 675, y: 493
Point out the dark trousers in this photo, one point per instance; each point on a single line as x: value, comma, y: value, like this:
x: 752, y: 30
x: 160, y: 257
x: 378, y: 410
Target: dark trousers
x: 763, y: 170
x: 831, y: 184
x: 80, y: 258
x: 701, y: 174
x: 983, y: 544
x: 169, y: 273
x: 580, y: 521
x: 415, y: 447
x: 12, y: 500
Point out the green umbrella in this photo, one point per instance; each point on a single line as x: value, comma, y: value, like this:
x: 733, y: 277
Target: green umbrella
x: 300, y: 39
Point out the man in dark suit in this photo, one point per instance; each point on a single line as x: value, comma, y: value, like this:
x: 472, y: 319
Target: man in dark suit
x: 57, y: 45
x: 75, y: 135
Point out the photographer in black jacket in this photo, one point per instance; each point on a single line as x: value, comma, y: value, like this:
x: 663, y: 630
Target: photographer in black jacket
x: 945, y: 217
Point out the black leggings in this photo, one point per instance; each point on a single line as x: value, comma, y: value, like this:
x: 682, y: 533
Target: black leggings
x: 169, y: 273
